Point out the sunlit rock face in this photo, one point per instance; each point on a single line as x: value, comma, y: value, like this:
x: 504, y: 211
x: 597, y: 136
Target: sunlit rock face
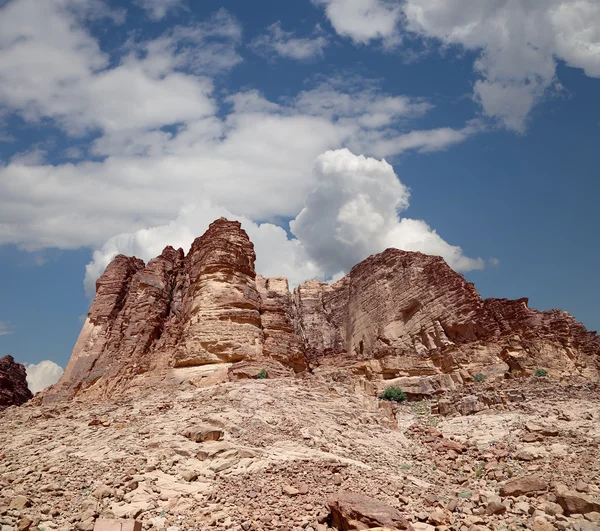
x: 397, y: 316
x: 401, y: 314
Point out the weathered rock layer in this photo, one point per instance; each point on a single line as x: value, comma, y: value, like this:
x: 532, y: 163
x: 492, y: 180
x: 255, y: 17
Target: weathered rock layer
x: 398, y: 316
x: 13, y: 383
x: 410, y: 318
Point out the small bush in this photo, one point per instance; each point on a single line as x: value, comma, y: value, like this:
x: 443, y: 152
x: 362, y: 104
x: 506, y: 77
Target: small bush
x: 262, y: 375
x: 393, y: 394
x: 541, y: 373
x: 479, y: 377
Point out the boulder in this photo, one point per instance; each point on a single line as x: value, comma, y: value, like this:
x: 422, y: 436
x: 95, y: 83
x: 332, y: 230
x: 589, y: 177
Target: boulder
x: 574, y: 502
x: 352, y: 511
x: 524, y: 485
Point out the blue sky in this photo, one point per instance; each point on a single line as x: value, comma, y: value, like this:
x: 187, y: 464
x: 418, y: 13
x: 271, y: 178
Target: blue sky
x: 126, y: 126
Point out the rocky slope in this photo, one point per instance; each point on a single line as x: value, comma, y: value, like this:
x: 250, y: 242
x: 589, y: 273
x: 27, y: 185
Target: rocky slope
x: 302, y: 454
x: 397, y: 317
x: 13, y: 383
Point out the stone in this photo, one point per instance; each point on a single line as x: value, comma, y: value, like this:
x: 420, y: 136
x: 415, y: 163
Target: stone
x: 440, y: 516
x: 523, y: 485
x: 24, y: 524
x: 106, y: 524
x: 582, y: 486
x: 288, y: 490
x: 13, y: 383
x: 495, y: 506
x: 541, y: 524
x: 422, y: 526
x: 103, y: 492
x: 351, y: 511
x: 201, y: 433
x: 551, y: 508
x: 20, y: 502
x: 189, y: 475
x: 575, y: 502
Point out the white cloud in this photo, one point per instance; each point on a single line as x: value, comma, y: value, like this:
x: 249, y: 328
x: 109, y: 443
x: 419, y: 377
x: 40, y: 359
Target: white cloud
x: 282, y: 43
x: 364, y: 20
x: 158, y: 9
x: 6, y: 328
x: 363, y: 103
x: 51, y: 67
x: 167, y: 136
x: 148, y: 175
x: 519, y: 41
x: 351, y: 213
x: 42, y: 375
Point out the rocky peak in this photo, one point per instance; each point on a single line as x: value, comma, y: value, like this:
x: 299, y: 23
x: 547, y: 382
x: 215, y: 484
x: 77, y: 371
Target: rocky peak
x: 398, y: 316
x: 13, y: 383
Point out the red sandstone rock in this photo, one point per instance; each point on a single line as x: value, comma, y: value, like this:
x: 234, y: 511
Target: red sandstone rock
x: 13, y: 383
x: 401, y: 314
x: 183, y: 311
x: 350, y: 511
x: 398, y: 318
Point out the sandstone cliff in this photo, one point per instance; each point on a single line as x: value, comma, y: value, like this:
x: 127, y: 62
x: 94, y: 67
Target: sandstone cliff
x: 183, y: 311
x: 13, y: 383
x: 409, y: 319
x: 397, y: 316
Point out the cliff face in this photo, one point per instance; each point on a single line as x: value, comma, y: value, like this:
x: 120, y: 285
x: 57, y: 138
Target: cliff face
x: 13, y: 383
x: 183, y: 311
x: 410, y: 318
x: 396, y: 316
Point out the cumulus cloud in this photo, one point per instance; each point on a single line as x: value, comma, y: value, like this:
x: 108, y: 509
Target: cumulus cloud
x: 145, y: 178
x: 42, y: 375
x: 519, y: 42
x: 166, y: 135
x: 277, y: 42
x: 351, y: 213
x: 158, y: 9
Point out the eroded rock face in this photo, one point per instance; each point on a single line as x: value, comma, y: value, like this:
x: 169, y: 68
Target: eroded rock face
x: 397, y: 317
x: 13, y: 383
x: 409, y: 319
x: 183, y: 311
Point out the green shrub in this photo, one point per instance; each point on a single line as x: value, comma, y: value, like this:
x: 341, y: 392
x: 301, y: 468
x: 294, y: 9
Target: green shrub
x: 541, y: 373
x: 393, y: 394
x: 479, y: 377
x: 262, y: 374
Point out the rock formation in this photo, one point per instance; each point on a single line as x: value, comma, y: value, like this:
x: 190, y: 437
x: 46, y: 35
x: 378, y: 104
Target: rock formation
x: 13, y: 383
x: 397, y: 316
x: 401, y: 316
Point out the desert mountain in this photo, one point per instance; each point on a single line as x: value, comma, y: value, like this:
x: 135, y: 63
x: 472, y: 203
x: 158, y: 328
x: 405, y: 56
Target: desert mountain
x: 201, y: 396
x: 397, y: 317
